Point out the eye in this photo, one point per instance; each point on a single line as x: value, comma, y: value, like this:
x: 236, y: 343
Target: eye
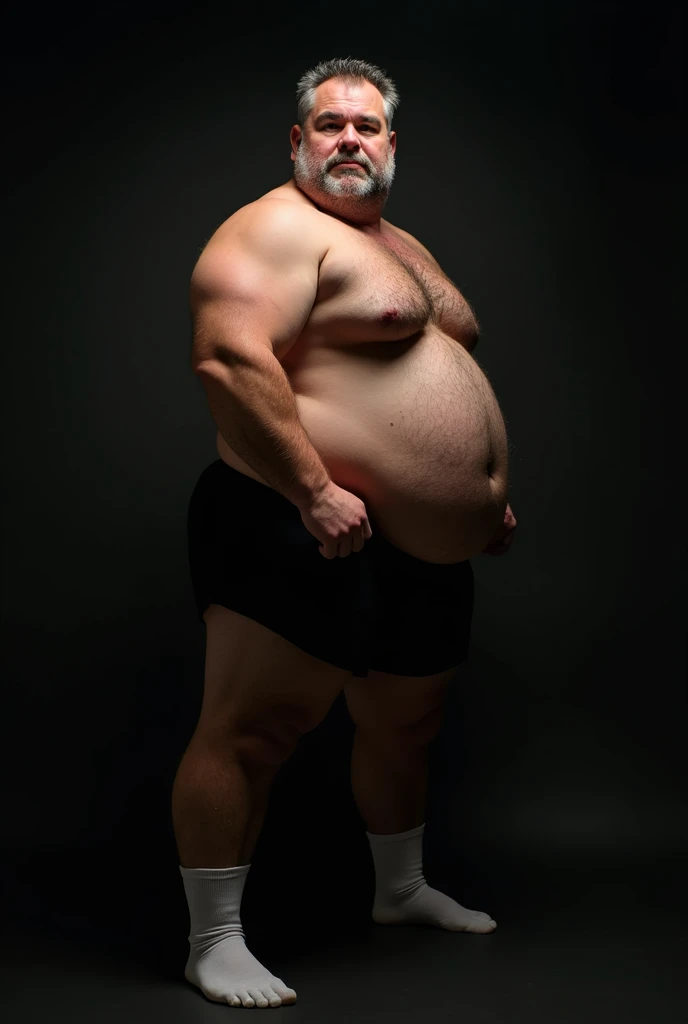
x: 331, y: 124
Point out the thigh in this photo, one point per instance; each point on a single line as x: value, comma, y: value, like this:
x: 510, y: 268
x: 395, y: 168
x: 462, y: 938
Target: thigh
x: 255, y: 679
x: 278, y: 614
x: 387, y: 703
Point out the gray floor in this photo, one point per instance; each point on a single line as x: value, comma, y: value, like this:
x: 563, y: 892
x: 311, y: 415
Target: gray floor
x: 578, y: 941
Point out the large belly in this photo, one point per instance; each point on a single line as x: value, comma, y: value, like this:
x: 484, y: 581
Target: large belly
x: 414, y: 429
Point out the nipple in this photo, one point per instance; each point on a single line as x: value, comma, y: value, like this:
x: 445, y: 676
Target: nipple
x: 390, y: 315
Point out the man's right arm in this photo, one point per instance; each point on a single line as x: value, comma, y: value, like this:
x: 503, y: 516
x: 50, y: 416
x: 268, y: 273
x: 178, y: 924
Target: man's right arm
x: 252, y: 292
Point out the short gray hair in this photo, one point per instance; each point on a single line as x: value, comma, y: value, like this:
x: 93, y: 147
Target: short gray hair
x: 347, y: 68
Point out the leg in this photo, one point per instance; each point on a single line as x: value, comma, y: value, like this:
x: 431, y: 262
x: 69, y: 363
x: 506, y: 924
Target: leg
x: 396, y: 718
x: 261, y: 694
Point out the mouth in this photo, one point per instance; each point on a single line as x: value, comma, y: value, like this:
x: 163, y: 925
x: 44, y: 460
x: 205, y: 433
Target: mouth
x: 348, y: 163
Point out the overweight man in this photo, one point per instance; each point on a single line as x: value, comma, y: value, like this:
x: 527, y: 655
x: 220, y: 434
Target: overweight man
x: 362, y: 463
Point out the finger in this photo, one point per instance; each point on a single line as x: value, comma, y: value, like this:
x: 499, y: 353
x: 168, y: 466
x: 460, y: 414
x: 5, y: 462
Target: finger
x: 344, y: 547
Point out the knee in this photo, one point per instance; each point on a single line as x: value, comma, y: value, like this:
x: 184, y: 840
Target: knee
x: 260, y: 738
x: 269, y: 742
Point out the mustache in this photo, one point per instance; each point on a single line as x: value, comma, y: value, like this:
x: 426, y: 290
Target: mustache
x: 348, y: 160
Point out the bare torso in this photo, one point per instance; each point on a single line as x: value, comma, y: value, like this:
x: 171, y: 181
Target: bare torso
x: 389, y: 395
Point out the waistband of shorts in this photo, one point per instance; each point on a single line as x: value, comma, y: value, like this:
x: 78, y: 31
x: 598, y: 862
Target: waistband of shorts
x: 267, y: 497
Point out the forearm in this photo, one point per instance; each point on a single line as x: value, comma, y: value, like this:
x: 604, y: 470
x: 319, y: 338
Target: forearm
x: 255, y: 410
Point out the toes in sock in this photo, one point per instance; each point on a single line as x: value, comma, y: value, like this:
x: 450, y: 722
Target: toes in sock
x: 219, y: 962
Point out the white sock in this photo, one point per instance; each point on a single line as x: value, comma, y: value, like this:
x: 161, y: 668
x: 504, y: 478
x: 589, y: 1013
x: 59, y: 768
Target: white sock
x: 398, y: 860
x: 219, y: 962
x: 402, y: 895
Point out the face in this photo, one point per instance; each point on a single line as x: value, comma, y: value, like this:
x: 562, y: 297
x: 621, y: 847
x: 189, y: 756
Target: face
x: 344, y: 159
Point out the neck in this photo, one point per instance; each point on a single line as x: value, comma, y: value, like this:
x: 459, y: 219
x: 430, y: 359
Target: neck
x: 347, y: 208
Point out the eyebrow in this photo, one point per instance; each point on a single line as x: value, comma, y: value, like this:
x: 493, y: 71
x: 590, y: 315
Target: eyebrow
x: 332, y: 115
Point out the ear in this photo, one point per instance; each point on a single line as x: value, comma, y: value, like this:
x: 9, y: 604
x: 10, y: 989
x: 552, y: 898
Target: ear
x: 295, y: 136
x: 393, y: 141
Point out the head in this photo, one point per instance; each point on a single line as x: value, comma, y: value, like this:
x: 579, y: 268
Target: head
x: 345, y: 110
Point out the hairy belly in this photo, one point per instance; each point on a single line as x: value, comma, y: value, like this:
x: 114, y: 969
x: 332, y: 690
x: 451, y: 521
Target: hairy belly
x: 414, y: 429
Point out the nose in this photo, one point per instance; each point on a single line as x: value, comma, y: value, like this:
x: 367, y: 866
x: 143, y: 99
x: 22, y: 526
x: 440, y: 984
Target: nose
x: 349, y: 139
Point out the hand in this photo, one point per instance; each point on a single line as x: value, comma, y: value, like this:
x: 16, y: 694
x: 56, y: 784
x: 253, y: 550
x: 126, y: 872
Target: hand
x: 338, y: 519
x: 503, y: 538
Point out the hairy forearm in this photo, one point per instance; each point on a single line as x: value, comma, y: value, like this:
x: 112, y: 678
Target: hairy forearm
x: 255, y: 410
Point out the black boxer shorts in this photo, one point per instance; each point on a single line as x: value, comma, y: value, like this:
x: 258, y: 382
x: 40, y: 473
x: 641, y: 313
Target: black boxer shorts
x: 379, y: 608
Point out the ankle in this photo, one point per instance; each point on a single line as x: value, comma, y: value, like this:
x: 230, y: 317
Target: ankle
x: 214, y: 899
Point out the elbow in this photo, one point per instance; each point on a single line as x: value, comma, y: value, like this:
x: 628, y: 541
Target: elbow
x: 217, y: 364
x: 209, y: 369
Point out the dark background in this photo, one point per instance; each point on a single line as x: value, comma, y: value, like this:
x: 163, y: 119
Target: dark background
x: 539, y: 160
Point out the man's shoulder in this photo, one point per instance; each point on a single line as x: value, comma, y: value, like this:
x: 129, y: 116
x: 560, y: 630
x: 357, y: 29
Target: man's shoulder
x: 269, y: 210
x: 275, y: 213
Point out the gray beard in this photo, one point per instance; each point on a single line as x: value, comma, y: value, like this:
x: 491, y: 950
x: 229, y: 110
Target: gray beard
x: 352, y: 190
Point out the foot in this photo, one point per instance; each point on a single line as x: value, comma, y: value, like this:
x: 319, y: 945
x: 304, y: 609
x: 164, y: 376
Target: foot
x: 430, y: 906
x: 229, y: 973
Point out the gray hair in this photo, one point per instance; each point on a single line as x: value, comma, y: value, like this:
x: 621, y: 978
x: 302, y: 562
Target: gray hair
x: 347, y: 68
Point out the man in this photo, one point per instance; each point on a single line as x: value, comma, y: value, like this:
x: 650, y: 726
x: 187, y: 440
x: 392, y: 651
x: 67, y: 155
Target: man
x: 335, y: 356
